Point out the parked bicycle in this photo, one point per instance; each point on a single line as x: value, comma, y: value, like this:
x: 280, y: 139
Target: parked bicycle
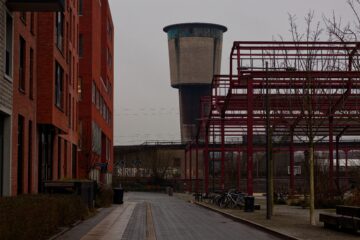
x: 232, y: 199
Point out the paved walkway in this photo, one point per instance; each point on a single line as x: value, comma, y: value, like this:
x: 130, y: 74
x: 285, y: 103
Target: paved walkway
x: 154, y: 216
x: 289, y: 220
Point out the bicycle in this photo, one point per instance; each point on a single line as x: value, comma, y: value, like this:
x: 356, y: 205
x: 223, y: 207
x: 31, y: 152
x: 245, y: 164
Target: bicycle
x: 232, y: 199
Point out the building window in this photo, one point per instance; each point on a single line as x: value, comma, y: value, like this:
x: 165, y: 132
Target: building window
x: 97, y: 99
x: 93, y: 95
x: 59, y: 30
x: 59, y: 85
x: 65, y: 166
x: 109, y: 28
x: 31, y: 79
x: 59, y: 158
x: 74, y: 161
x: 22, y: 64
x: 109, y: 58
x: 70, y: 110
x: 32, y: 23
x: 23, y: 17
x: 80, y: 7
x: 81, y: 45
x: 96, y: 139
x: 9, y: 45
x: 30, y: 157
x: 20, y: 158
x: 70, y: 68
x: 79, y: 88
x: 108, y: 149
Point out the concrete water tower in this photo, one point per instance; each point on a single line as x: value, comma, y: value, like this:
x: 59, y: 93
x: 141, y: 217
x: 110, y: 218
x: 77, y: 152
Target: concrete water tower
x: 195, y: 56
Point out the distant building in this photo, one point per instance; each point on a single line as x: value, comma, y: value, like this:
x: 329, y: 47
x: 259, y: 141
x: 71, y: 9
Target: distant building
x: 96, y: 81
x: 141, y: 160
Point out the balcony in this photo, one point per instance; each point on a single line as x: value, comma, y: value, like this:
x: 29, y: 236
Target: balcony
x: 36, y: 5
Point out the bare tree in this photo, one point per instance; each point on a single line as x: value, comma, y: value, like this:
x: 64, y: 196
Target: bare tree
x: 307, y: 108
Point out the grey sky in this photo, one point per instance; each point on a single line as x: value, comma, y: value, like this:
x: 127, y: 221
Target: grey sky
x: 146, y: 107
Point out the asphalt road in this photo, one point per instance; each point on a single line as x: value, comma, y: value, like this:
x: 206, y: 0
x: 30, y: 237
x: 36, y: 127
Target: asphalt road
x: 158, y: 217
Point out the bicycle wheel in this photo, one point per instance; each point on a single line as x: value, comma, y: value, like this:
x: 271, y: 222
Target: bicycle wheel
x: 224, y: 202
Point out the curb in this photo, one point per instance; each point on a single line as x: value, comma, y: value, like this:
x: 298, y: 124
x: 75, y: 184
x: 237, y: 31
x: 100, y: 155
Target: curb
x: 249, y: 223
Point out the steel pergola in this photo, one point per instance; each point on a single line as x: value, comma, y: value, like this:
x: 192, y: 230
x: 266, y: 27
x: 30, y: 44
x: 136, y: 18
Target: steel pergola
x: 313, y: 90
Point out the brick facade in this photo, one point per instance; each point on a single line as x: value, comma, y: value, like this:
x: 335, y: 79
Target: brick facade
x: 96, y: 106
x: 57, y: 104
x: 24, y: 158
x: 40, y: 120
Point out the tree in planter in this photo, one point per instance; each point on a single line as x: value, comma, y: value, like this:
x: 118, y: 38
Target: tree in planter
x: 310, y: 117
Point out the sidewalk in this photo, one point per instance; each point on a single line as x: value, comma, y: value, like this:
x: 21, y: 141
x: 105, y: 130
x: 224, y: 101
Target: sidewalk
x: 287, y: 220
x: 109, y: 224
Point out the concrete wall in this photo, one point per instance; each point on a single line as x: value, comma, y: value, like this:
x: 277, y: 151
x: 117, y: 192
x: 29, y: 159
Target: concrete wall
x: 194, y: 60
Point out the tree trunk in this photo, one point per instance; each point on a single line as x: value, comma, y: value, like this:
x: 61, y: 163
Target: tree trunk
x: 312, y: 188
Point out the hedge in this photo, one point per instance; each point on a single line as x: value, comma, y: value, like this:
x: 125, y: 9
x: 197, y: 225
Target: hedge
x: 38, y: 216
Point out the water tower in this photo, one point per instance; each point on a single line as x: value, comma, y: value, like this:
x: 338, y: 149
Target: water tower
x: 195, y: 56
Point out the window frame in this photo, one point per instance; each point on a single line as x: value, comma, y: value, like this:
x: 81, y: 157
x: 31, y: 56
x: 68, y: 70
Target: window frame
x: 9, y: 60
x: 59, y: 84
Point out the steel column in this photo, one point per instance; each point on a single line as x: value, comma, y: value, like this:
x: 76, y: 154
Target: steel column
x: 206, y: 162
x: 346, y: 168
x: 337, y: 172
x: 197, y: 166
x: 250, y: 149
x: 238, y: 176
x: 185, y: 175
x: 222, y: 181
x: 190, y: 168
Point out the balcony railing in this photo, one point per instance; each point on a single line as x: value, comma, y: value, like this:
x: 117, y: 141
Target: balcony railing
x: 36, y: 5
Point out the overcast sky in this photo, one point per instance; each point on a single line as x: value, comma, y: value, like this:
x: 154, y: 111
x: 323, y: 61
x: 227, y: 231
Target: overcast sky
x: 146, y: 107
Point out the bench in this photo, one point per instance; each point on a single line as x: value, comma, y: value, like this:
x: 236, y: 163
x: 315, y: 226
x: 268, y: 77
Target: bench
x: 347, y: 218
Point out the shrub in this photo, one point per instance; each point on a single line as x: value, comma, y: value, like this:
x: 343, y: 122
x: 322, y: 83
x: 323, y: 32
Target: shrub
x: 354, y: 198
x: 38, y: 216
x: 104, y: 196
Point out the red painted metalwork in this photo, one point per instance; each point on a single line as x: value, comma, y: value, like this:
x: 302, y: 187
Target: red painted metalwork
x: 185, y: 167
x: 250, y: 123
x: 190, y: 168
x: 346, y: 168
x: 302, y: 85
x: 197, y: 166
x: 222, y: 181
x: 206, y: 163
x: 238, y: 173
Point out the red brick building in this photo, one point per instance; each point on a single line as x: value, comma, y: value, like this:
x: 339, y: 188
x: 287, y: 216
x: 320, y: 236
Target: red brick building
x: 58, y: 62
x: 24, y: 158
x: 57, y: 97
x: 96, y: 51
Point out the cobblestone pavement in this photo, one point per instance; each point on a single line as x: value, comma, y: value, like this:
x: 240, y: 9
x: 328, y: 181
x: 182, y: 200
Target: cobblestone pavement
x: 156, y: 216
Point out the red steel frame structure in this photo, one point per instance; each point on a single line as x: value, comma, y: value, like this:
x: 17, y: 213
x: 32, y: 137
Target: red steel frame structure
x: 313, y: 91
